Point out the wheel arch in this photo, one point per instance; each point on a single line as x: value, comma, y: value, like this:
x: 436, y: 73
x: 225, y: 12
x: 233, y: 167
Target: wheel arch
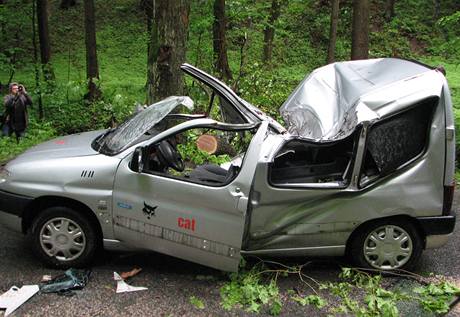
x: 397, y: 218
x: 41, y: 203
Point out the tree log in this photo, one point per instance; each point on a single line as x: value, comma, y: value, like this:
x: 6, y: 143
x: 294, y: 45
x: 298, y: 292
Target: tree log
x: 211, y: 144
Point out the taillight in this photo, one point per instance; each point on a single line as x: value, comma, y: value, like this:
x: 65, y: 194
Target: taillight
x: 448, y: 199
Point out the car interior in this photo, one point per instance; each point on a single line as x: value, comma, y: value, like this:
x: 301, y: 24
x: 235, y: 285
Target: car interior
x: 303, y: 162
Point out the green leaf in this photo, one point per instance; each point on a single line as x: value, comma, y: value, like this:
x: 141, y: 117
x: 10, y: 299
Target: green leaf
x: 195, y: 301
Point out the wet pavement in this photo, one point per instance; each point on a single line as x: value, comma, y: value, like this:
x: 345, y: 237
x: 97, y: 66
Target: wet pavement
x: 171, y: 283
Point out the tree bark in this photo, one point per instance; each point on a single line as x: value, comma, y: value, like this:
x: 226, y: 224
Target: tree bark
x: 219, y: 40
x: 92, y: 69
x: 66, y: 4
x: 437, y: 9
x: 152, y: 50
x: 36, y: 68
x: 333, y: 31
x: 269, y: 31
x: 168, y: 46
x: 44, y: 38
x: 360, y: 30
x: 389, y: 10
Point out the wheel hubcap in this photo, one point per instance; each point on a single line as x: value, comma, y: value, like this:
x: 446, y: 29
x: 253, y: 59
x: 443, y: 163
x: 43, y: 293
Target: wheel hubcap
x: 63, y: 239
x: 388, y: 247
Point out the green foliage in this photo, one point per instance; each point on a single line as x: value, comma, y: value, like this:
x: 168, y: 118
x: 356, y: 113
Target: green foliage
x: 197, y: 302
x: 267, y: 90
x: 249, y: 291
x: 360, y: 293
x: 36, y: 133
x: 190, y: 151
x: 314, y: 300
x: 450, y: 46
x: 377, y: 301
x: 436, y: 297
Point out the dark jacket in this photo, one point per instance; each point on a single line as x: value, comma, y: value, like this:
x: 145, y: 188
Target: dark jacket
x: 16, y: 111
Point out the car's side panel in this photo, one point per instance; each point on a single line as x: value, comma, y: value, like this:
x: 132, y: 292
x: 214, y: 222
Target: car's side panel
x: 302, y: 217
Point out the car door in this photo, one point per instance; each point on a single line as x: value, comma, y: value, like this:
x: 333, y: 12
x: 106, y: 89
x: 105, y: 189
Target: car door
x: 194, y: 222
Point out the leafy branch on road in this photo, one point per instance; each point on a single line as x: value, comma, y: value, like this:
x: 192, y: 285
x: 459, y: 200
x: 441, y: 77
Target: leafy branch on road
x: 359, y: 292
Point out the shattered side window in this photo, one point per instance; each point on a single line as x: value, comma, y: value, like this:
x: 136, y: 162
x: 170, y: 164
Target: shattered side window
x: 397, y: 140
x: 302, y: 163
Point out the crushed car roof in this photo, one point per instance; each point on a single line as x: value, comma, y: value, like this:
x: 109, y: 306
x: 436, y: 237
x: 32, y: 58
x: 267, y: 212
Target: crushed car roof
x: 330, y: 102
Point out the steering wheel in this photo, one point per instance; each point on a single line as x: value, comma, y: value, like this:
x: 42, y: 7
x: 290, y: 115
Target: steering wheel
x: 169, y: 156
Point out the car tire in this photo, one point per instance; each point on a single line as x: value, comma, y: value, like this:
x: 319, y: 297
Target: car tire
x: 386, y: 245
x: 63, y: 238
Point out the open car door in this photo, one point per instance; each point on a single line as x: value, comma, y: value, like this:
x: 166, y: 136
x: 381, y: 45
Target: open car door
x: 194, y: 222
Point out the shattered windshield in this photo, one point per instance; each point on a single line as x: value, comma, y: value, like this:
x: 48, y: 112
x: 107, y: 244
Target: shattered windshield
x: 116, y: 140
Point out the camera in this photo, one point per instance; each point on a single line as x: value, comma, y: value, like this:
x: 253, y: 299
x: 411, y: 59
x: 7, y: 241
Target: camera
x: 20, y: 87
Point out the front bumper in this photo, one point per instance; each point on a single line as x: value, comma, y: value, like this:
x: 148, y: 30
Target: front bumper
x: 13, y: 204
x: 12, y: 208
x: 10, y: 221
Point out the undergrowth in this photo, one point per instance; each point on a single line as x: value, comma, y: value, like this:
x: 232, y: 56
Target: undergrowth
x: 37, y: 133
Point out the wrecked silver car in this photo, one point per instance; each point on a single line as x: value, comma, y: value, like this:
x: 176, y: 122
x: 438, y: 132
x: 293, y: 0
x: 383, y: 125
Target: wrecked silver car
x: 365, y: 168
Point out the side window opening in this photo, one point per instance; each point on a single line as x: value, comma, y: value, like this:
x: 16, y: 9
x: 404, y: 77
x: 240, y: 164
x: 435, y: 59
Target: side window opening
x: 209, y: 156
x: 302, y: 162
x: 397, y: 140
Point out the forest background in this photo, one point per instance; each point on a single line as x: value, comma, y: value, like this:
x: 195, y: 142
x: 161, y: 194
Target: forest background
x: 87, y: 63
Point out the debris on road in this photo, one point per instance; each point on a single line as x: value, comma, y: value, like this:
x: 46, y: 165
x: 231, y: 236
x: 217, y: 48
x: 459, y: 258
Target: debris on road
x: 46, y: 278
x: 63, y: 284
x: 123, y: 287
x: 133, y: 272
x: 15, y: 297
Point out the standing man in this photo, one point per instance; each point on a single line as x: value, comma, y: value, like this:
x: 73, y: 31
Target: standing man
x: 16, y: 116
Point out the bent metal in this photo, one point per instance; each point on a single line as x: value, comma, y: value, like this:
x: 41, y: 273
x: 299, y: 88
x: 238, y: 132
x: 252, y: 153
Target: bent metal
x: 363, y: 167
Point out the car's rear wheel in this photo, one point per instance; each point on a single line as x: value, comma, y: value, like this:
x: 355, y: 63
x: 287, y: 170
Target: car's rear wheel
x: 62, y: 237
x: 386, y: 245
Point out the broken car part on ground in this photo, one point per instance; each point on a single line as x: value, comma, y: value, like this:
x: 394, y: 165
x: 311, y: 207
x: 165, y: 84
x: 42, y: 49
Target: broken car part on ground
x: 365, y: 167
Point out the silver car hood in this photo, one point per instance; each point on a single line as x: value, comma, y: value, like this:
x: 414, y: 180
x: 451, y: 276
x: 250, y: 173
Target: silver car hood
x: 65, y: 146
x: 330, y: 102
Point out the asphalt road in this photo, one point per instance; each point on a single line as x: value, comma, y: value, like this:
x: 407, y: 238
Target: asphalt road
x: 171, y: 283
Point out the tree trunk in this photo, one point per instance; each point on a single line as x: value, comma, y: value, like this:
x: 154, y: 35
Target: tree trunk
x: 333, y: 31
x: 360, y: 30
x: 437, y: 9
x: 269, y: 31
x: 168, y: 46
x: 36, y: 68
x: 152, y: 50
x: 66, y: 4
x: 44, y: 38
x: 92, y: 69
x: 219, y: 41
x: 389, y: 10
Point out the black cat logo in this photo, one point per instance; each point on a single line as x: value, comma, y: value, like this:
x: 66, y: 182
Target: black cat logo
x: 149, y: 211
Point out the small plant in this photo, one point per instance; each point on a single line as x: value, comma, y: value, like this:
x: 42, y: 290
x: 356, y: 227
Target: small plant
x: 314, y: 300
x: 436, y: 297
x: 248, y: 290
x: 195, y: 301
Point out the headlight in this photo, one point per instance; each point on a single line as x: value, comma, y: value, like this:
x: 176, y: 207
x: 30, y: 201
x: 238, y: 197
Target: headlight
x: 4, y: 174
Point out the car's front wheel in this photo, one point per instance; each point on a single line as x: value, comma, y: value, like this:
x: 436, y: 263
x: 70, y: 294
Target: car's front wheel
x: 63, y: 237
x: 386, y: 245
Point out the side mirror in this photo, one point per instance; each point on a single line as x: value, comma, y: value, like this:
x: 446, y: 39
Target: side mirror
x: 137, y: 162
